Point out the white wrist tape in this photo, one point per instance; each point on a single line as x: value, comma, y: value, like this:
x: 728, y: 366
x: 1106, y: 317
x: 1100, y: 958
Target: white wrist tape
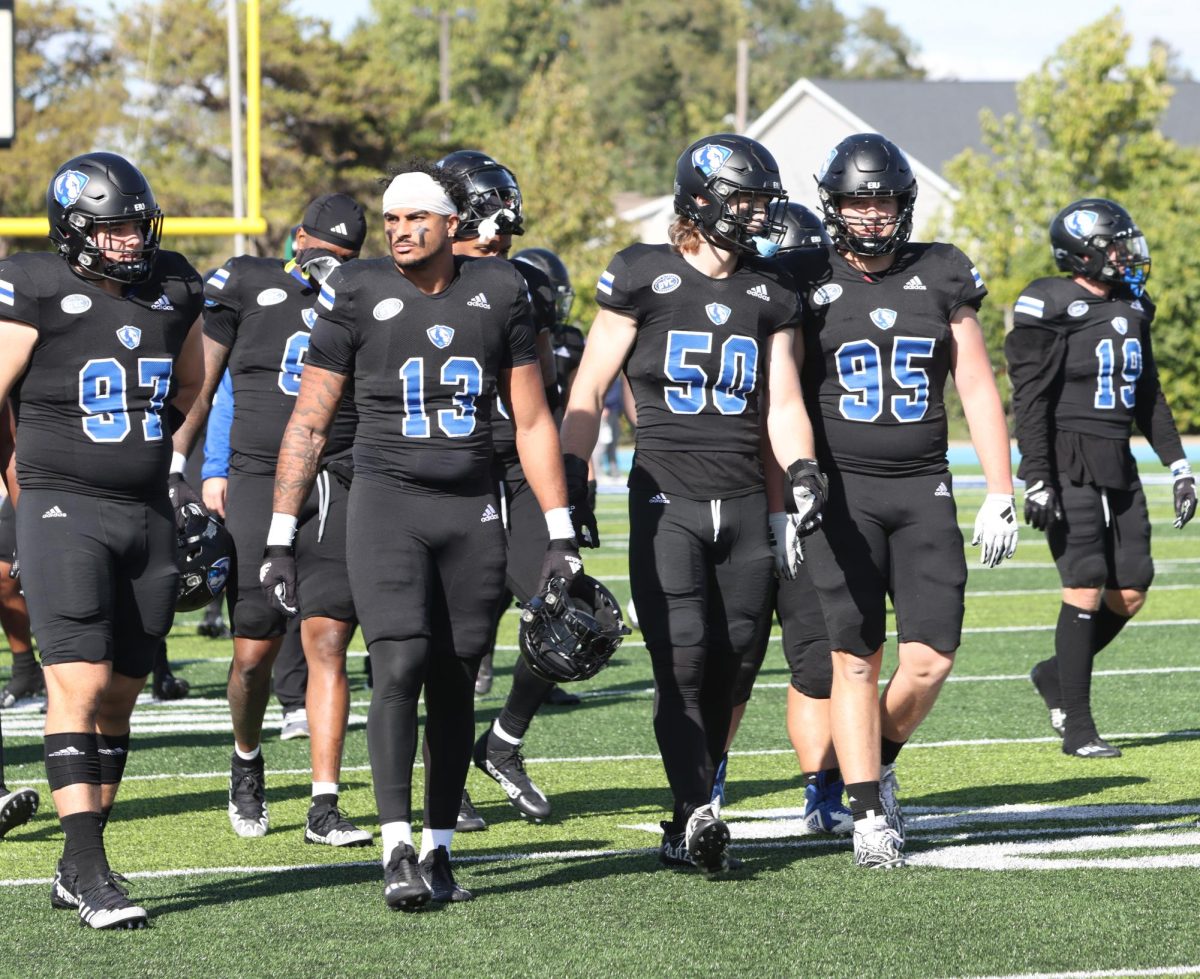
x: 558, y: 523
x: 283, y: 530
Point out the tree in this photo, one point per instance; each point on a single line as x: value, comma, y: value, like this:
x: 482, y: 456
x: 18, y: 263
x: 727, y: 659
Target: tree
x: 1087, y: 124
x: 69, y: 97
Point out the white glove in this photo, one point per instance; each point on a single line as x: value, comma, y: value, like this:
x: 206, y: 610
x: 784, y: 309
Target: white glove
x: 785, y: 544
x: 996, y: 529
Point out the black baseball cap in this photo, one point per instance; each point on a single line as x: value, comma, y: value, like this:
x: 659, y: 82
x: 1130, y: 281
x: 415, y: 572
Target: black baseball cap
x: 337, y: 219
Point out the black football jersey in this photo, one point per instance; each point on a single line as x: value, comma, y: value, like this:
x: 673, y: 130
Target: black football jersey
x: 697, y: 366
x: 262, y: 310
x: 876, y: 354
x: 568, y: 352
x: 424, y: 367
x: 504, y: 436
x: 92, y: 404
x: 1085, y: 364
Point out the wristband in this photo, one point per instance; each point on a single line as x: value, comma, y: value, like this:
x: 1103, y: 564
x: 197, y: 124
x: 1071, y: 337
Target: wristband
x: 558, y: 523
x: 1182, y: 469
x: 283, y: 530
x: 178, y: 461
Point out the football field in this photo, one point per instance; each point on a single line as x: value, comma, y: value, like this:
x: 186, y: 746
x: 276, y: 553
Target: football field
x: 1022, y: 861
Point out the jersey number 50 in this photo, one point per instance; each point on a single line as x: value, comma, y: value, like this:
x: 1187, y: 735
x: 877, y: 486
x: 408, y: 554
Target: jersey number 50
x: 689, y: 394
x: 103, y: 400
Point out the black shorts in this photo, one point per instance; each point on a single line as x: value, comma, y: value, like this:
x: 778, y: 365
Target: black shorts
x: 1098, y: 549
x: 322, y: 583
x: 425, y: 565
x: 99, y: 577
x: 528, y: 538
x: 8, y: 531
x: 889, y: 535
x: 700, y: 571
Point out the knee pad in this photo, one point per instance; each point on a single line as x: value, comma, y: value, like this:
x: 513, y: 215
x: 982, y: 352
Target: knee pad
x: 71, y: 759
x: 1089, y: 571
x: 812, y: 673
x: 254, y: 620
x: 113, y: 751
x: 1141, y: 575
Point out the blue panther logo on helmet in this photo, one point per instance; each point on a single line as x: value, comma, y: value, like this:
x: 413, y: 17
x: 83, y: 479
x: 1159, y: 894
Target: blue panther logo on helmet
x: 710, y: 157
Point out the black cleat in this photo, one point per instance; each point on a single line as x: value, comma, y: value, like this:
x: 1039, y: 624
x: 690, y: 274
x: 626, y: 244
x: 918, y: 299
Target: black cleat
x: 556, y: 696
x: 327, y: 825
x: 673, y: 852
x: 64, y: 889
x: 469, y: 821
x: 21, y: 690
x: 435, y: 869
x: 17, y: 808
x: 167, y: 686
x: 213, y: 627
x: 404, y: 889
x: 248, y: 797
x: 1095, y: 747
x: 504, y: 763
x: 105, y: 905
x: 707, y: 839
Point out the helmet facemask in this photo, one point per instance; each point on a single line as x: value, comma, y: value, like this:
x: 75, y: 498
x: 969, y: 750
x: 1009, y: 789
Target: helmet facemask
x: 743, y: 219
x: 81, y: 248
x: 846, y: 235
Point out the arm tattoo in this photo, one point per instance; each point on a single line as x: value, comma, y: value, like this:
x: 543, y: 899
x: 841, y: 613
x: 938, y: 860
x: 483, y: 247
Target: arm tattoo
x: 304, y: 438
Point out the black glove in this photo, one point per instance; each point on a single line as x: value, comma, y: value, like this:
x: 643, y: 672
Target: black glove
x: 562, y: 560
x: 14, y: 570
x: 808, y: 490
x: 1185, y: 501
x: 591, y: 495
x: 1042, y: 507
x: 182, y: 494
x: 583, y: 519
x: 277, y: 575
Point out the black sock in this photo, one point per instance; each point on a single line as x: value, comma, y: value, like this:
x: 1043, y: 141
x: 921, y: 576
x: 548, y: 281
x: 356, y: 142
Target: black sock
x: 85, y: 846
x: 1074, y: 644
x: 889, y: 749
x: 104, y: 814
x: 1108, y: 626
x: 864, y: 799
x: 326, y: 799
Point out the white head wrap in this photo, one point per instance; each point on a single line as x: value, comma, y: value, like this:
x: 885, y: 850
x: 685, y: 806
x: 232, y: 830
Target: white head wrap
x: 417, y: 191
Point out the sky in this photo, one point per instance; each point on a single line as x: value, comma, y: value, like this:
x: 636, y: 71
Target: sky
x: 975, y: 39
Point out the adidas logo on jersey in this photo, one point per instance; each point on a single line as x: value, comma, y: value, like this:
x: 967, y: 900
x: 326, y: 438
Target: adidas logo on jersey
x: 162, y: 302
x: 54, y: 511
x: 489, y: 513
x: 942, y: 490
x: 915, y: 283
x: 659, y: 498
x: 480, y: 301
x: 340, y: 229
x: 759, y: 292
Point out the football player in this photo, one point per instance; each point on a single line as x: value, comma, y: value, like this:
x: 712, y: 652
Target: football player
x: 703, y: 329
x: 886, y: 321
x: 20, y: 805
x: 568, y: 338
x: 258, y: 316
x: 427, y: 339
x: 1081, y: 359
x: 805, y: 638
x: 100, y: 347
x: 486, y: 229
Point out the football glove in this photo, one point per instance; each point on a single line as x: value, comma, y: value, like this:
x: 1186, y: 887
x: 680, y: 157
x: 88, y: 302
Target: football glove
x: 809, y: 490
x: 182, y: 494
x: 562, y: 560
x: 785, y: 544
x: 583, y: 518
x: 1185, y: 501
x: 1042, y: 507
x: 277, y: 575
x: 996, y: 529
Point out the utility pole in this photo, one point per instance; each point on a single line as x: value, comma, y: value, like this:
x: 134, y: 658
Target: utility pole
x: 741, y: 107
x: 445, y: 17
x: 235, y: 122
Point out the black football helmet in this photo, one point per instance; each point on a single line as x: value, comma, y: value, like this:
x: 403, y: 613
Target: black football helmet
x: 571, y: 633
x: 716, y: 178
x: 803, y: 229
x: 551, y: 266
x: 492, y: 192
x: 204, y: 553
x: 93, y: 190
x: 866, y: 165
x: 1096, y: 238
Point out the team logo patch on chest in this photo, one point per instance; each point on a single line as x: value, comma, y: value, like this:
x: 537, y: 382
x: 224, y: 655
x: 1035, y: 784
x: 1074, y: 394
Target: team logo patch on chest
x: 1120, y: 324
x: 667, y: 282
x: 440, y: 336
x: 271, y: 297
x: 387, y: 308
x: 885, y: 319
x: 718, y: 313
x: 1078, y: 308
x: 827, y: 294
x: 130, y: 337
x: 75, y: 304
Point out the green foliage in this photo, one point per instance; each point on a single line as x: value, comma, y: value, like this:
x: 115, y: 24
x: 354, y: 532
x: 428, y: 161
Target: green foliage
x: 1087, y: 124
